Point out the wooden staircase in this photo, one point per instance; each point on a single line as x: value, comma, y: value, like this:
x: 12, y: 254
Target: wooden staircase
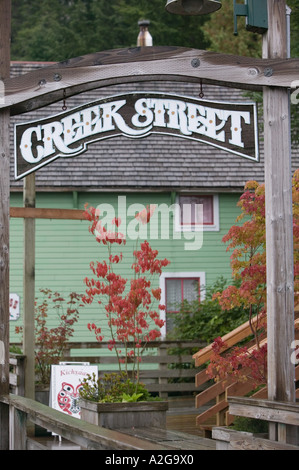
x: 214, y: 396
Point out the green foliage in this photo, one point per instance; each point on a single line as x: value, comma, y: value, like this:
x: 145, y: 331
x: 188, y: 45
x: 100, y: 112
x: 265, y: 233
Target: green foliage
x: 50, y: 342
x: 250, y: 425
x: 205, y: 320
x: 294, y: 19
x: 113, y: 388
x: 220, y: 32
x: 55, y: 30
x: 14, y: 349
x: 131, y: 398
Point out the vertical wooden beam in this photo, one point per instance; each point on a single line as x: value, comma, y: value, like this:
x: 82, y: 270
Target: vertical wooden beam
x: 5, y: 20
x: 29, y: 287
x: 279, y: 221
x: 18, y: 429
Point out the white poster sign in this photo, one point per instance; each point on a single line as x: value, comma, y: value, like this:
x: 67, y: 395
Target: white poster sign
x: 14, y: 306
x: 66, y: 381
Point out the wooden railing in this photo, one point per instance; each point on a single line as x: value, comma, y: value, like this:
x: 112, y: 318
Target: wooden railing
x: 282, y: 417
x: 215, y: 395
x: 25, y: 412
x: 162, y: 372
x: 164, y: 368
x: 17, y: 374
x: 167, y: 367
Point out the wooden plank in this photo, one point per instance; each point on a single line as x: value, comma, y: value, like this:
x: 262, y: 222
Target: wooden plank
x: 29, y: 287
x: 211, y: 393
x: 262, y: 393
x: 84, y: 434
x: 240, y: 388
x: 240, y: 442
x: 230, y: 339
x: 17, y: 430
x: 13, y: 379
x: 168, y: 373
x: 45, y: 213
x: 229, y: 439
x: 179, y: 440
x: 114, y: 360
x: 174, y: 387
x: 44, y: 86
x: 268, y: 410
x: 201, y: 378
x: 206, y: 415
x: 149, y: 345
x: 5, y: 22
x: 35, y: 445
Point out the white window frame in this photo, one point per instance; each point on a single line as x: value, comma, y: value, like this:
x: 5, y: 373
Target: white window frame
x: 179, y: 275
x: 193, y: 228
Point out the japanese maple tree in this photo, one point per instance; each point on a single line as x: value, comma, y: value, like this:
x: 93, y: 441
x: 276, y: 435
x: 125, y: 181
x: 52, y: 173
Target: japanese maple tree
x: 131, y: 317
x: 248, y: 262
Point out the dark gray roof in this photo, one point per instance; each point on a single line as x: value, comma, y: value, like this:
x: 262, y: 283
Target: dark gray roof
x: 153, y: 163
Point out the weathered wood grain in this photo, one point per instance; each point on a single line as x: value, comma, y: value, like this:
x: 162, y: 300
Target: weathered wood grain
x: 46, y: 85
x: 175, y: 439
x: 5, y: 15
x: 279, y: 219
x: 84, y: 434
x: 268, y: 410
x: 240, y: 442
x: 29, y: 287
x: 229, y: 439
x: 46, y: 213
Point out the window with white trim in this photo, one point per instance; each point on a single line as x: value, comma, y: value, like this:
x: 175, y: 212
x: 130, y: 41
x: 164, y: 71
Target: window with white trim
x: 179, y: 289
x: 176, y: 287
x: 197, y: 212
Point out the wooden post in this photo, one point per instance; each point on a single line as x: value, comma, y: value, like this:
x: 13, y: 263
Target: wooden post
x: 29, y: 287
x: 279, y: 226
x: 163, y: 366
x: 5, y: 19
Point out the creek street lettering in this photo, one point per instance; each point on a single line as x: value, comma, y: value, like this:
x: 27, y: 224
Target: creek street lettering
x: 135, y: 115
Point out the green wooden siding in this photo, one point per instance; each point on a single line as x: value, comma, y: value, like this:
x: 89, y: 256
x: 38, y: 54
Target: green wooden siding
x: 65, y: 248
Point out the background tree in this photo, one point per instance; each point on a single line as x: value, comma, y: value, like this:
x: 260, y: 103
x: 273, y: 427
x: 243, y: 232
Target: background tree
x: 219, y: 29
x: 54, y: 30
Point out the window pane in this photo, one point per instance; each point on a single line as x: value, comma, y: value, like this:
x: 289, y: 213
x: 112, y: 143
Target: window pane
x: 178, y: 290
x: 173, y: 294
x: 190, y: 290
x: 196, y: 210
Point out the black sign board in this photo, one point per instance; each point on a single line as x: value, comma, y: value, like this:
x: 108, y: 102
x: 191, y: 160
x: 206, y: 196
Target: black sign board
x: 228, y: 126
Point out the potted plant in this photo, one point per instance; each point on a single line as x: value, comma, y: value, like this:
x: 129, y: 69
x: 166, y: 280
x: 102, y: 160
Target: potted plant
x: 132, y: 322
x: 115, y: 401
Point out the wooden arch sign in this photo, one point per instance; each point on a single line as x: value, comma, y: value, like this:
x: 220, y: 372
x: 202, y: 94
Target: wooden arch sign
x: 227, y: 126
x: 47, y: 85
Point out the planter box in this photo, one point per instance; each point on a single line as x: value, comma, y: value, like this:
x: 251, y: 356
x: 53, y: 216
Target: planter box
x: 125, y: 415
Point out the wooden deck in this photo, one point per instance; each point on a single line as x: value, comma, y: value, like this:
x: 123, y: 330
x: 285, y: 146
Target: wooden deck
x: 181, y: 432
